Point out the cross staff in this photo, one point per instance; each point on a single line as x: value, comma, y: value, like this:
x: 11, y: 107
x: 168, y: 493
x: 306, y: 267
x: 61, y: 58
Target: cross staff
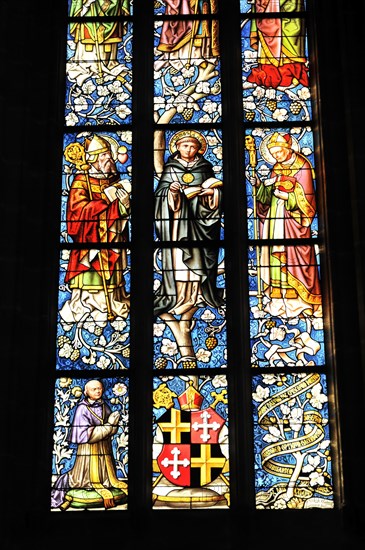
x: 251, y: 148
x: 75, y: 154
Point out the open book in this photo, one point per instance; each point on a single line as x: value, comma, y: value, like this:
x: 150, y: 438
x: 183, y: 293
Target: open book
x: 194, y: 190
x: 110, y: 192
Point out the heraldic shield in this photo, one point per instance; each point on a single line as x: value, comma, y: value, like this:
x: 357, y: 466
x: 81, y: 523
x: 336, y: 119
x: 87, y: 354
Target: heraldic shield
x: 191, y: 457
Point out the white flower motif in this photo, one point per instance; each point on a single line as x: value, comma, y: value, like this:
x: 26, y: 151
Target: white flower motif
x: 103, y: 362
x: 260, y: 92
x: 218, y: 151
x: 90, y: 325
x: 188, y: 73
x: 277, y: 333
x: 285, y: 410
x: 318, y: 398
x: 203, y: 355
x: 250, y: 57
x: 295, y: 130
x: 273, y: 435
x: 115, y: 87
x: 119, y: 324
x: 203, y: 88
x: 324, y: 444
x: 71, y: 119
x: 126, y: 136
x: 123, y: 111
x: 88, y: 87
x: 123, y: 97
x: 205, y: 118
x: 270, y: 93
x: 249, y: 103
x: 317, y: 323
x: 257, y: 313
x: 178, y: 80
x: 316, y: 478
x: 119, y: 389
x: 260, y: 394
x: 270, y: 379
x: 212, y: 140
x: 210, y: 106
x: 304, y: 93
x: 307, y: 151
x: 158, y: 329
x: 208, y: 315
x: 66, y: 351
x: 102, y: 91
x: 219, y: 381
x: 168, y: 347
x: 280, y: 114
x: 296, y: 419
x: 313, y: 462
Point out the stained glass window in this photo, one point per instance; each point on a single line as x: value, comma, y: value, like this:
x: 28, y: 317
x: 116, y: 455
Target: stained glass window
x: 192, y: 291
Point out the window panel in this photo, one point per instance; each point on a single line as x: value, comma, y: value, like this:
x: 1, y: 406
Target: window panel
x: 281, y: 184
x: 272, y: 6
x: 191, y: 160
x: 281, y: 313
x: 292, y: 441
x: 93, y: 329
x: 98, y: 73
x: 91, y: 209
x: 99, y: 8
x: 275, y: 68
x: 187, y: 84
x: 90, y: 473
x: 190, y: 442
x: 190, y: 325
x: 286, y: 317
x: 185, y: 8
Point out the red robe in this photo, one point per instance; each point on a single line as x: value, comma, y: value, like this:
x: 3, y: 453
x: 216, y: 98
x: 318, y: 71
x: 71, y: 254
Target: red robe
x: 93, y: 221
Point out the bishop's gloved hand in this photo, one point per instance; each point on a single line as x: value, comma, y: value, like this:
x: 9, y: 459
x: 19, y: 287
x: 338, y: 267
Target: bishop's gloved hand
x: 123, y: 197
x: 254, y: 180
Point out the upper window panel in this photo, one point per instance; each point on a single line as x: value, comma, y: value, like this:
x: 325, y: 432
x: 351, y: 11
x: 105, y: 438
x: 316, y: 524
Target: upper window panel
x: 275, y: 68
x: 99, y: 8
x: 99, y: 65
x: 272, y: 5
x: 185, y: 7
x: 187, y: 85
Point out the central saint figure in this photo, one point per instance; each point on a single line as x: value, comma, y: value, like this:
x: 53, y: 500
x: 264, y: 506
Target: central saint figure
x: 188, y: 209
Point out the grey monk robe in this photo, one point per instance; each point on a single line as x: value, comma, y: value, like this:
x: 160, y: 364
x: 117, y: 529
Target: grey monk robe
x: 189, y: 274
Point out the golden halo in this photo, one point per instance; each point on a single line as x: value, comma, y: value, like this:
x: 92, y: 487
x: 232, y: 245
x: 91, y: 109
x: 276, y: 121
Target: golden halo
x: 264, y: 150
x: 188, y: 133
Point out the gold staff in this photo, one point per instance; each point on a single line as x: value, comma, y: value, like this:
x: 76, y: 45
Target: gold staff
x: 251, y: 148
x: 75, y: 153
